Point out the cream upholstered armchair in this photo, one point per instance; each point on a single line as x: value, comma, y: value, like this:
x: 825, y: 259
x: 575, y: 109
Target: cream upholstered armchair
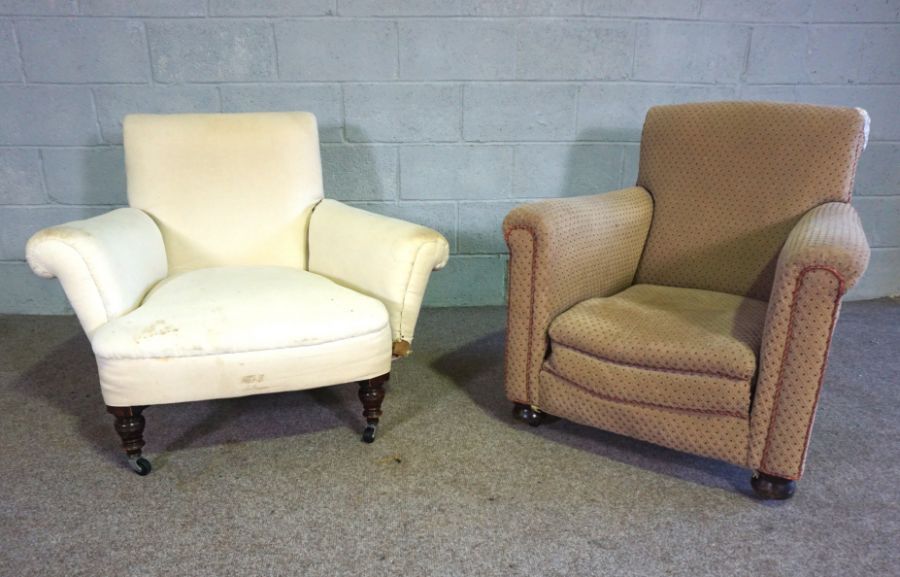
x: 695, y: 309
x: 229, y: 275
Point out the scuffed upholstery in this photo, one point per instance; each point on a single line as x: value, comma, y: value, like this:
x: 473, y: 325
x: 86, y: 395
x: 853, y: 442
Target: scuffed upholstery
x: 708, y: 333
x: 233, y: 331
x: 202, y: 289
x: 106, y: 264
x: 376, y: 255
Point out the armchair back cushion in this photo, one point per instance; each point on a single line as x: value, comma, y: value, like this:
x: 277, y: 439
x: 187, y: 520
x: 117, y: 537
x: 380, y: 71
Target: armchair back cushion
x: 730, y: 180
x: 226, y: 189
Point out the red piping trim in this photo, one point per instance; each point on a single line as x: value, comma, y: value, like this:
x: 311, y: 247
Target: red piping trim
x: 601, y: 396
x: 787, y: 348
x: 531, y: 305
x: 651, y: 368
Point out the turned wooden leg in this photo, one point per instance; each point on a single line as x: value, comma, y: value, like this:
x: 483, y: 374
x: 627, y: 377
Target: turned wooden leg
x: 371, y: 394
x: 130, y: 426
x: 528, y: 414
x: 772, y: 487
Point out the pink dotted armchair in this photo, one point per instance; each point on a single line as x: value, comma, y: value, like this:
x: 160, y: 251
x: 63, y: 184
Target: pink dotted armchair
x: 695, y: 310
x: 230, y: 275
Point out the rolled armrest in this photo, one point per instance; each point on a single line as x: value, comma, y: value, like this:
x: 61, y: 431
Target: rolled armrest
x: 105, y: 264
x: 562, y: 252
x: 825, y: 254
x: 383, y: 257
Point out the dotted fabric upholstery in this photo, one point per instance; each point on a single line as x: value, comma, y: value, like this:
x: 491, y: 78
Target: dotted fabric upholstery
x: 824, y: 256
x: 563, y: 252
x: 730, y: 180
x: 711, y: 435
x: 750, y: 204
x: 670, y: 348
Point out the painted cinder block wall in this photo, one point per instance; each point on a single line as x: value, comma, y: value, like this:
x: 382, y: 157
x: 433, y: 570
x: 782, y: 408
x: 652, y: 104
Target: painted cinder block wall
x: 444, y: 112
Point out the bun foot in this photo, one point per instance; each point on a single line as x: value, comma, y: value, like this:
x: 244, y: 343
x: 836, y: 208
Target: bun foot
x: 770, y: 487
x: 528, y: 414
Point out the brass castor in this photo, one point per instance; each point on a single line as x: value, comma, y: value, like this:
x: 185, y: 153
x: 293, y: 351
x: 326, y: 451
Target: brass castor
x: 770, y: 487
x: 528, y: 414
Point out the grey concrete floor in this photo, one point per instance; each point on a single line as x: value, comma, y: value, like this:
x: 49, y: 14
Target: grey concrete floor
x: 281, y: 485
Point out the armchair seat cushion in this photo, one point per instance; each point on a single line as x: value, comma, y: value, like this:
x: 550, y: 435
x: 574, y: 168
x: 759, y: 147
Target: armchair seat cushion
x: 233, y: 331
x: 663, y: 347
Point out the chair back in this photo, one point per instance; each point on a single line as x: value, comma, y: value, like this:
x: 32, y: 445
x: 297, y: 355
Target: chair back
x: 226, y: 189
x: 730, y: 179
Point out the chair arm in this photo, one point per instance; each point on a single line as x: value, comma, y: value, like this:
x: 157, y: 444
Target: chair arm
x: 825, y: 254
x: 562, y: 252
x: 383, y: 257
x: 106, y: 264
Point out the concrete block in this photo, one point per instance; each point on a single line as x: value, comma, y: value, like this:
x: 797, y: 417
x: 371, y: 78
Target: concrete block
x: 398, y: 7
x: 521, y: 111
x: 84, y: 50
x: 879, y: 170
x: 880, y: 216
x: 777, y: 55
x: 855, y: 11
x: 114, y: 102
x: 557, y: 170
x: 881, y: 278
x: 323, y: 100
x: 455, y: 171
x: 86, y: 175
x: 21, y: 180
x: 520, y: 7
x: 10, y: 65
x: 337, y: 49
x: 23, y: 292
x: 630, y: 165
x: 681, y: 9
x: 211, y: 50
x: 359, y: 172
x: 440, y: 216
x: 271, y: 8
x: 879, y: 101
x: 615, y: 112
x: 780, y: 93
x: 18, y: 223
x: 854, y: 54
x: 469, y: 280
x: 457, y: 49
x: 38, y: 7
x: 402, y: 112
x: 574, y: 49
x: 690, y: 51
x: 756, y: 10
x: 481, y: 226
x: 171, y: 8
x: 47, y: 115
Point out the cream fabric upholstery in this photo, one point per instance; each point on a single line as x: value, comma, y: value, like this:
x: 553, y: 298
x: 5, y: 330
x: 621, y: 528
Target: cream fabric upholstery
x: 235, y: 331
x: 226, y: 189
x: 201, y: 289
x: 719, y: 346
x: 382, y: 257
x: 106, y: 264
